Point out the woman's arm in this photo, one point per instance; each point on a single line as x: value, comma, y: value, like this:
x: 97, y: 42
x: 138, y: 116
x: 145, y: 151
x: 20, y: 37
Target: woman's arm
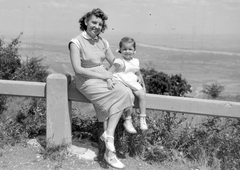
x: 112, y: 69
x: 76, y: 63
x: 109, y: 56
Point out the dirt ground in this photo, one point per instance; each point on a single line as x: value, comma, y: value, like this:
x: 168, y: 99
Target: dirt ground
x: 27, y: 157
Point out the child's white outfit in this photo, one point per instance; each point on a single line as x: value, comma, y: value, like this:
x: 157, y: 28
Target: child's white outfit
x: 126, y: 73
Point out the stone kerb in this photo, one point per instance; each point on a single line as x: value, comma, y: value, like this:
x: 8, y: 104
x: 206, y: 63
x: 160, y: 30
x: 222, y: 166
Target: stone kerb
x: 58, y: 110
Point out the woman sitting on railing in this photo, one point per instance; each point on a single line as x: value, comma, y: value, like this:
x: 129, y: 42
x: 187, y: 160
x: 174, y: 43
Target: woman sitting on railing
x: 88, y: 51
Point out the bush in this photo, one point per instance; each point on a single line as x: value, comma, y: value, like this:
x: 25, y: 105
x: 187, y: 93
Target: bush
x: 30, y: 120
x: 214, y: 143
x: 9, y: 58
x: 161, y: 83
x: 9, y: 63
x: 84, y: 126
x: 219, y: 138
x: 31, y: 70
x: 213, y: 91
x: 27, y: 123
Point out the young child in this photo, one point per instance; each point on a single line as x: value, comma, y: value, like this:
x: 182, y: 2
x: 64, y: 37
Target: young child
x: 127, y: 70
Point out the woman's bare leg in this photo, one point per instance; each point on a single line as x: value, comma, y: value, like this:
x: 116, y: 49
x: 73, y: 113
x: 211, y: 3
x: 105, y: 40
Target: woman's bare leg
x: 112, y: 123
x: 109, y: 126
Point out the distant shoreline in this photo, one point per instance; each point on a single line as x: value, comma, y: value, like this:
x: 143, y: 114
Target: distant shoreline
x: 222, y: 68
x: 187, y: 50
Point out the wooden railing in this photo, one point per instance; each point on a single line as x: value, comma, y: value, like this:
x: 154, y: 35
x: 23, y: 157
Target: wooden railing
x: 59, y: 94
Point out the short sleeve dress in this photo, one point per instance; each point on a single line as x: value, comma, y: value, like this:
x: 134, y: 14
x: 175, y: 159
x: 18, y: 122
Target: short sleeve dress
x: 126, y: 73
x: 106, y: 102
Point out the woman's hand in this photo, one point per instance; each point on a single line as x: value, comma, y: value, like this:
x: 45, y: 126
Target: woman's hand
x: 110, y: 84
x: 107, y: 75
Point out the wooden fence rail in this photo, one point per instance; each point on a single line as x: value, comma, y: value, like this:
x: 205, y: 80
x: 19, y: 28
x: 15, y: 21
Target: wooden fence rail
x: 59, y: 94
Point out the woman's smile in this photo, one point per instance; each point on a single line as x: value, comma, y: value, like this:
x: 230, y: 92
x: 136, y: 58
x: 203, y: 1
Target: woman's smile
x: 94, y: 26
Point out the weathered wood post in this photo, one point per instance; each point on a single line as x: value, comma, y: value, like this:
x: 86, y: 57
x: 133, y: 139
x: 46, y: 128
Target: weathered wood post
x: 59, y: 129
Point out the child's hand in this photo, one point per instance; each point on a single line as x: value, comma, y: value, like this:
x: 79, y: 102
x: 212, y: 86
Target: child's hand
x: 139, y: 80
x: 110, y: 84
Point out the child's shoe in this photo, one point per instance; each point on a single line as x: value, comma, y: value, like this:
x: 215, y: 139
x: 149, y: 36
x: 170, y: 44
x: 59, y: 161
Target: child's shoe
x: 129, y: 126
x: 143, y: 124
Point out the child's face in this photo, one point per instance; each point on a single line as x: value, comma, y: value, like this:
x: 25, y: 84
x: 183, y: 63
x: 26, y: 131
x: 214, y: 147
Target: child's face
x: 127, y: 51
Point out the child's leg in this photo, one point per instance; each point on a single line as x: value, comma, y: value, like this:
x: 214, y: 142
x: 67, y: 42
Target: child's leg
x: 128, y: 122
x: 142, y: 101
x: 142, y: 106
x: 128, y: 113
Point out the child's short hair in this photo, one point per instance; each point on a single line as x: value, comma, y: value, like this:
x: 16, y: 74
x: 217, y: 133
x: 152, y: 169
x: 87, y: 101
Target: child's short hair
x: 127, y: 40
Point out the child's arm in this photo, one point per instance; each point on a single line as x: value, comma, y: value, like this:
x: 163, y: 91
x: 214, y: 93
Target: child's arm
x: 114, y: 67
x: 141, y: 80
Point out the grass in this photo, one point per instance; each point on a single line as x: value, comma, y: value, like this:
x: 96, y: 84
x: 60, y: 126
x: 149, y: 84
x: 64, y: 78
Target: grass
x: 56, y: 153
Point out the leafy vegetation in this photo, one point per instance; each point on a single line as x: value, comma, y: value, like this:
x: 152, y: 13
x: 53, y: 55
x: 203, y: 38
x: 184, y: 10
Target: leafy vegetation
x: 30, y: 120
x: 55, y: 153
x: 161, y: 83
x: 213, y: 143
x: 9, y: 58
x: 213, y: 91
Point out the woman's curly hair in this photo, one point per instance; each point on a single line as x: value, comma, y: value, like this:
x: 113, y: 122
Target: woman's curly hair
x: 96, y: 12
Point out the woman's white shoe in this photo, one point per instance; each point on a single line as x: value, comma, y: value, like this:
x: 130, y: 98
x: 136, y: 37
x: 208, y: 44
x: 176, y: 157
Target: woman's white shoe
x: 114, y: 162
x: 109, y: 145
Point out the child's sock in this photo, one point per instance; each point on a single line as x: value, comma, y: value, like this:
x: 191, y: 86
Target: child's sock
x: 143, y: 123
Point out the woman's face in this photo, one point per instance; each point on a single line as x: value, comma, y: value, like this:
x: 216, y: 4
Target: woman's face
x: 94, y: 26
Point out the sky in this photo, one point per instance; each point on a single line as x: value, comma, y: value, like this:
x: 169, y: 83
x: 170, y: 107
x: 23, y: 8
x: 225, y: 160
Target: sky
x: 58, y: 19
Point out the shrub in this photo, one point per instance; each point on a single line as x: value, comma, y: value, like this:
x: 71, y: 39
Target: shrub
x: 31, y: 70
x: 30, y: 120
x: 161, y: 83
x: 156, y: 143
x: 179, y: 86
x: 220, y: 139
x: 84, y: 126
x: 9, y: 58
x: 27, y: 123
x: 214, y: 143
x: 9, y: 63
x: 213, y: 90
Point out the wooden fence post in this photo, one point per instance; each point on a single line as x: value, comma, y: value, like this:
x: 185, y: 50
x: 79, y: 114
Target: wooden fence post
x: 59, y: 127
